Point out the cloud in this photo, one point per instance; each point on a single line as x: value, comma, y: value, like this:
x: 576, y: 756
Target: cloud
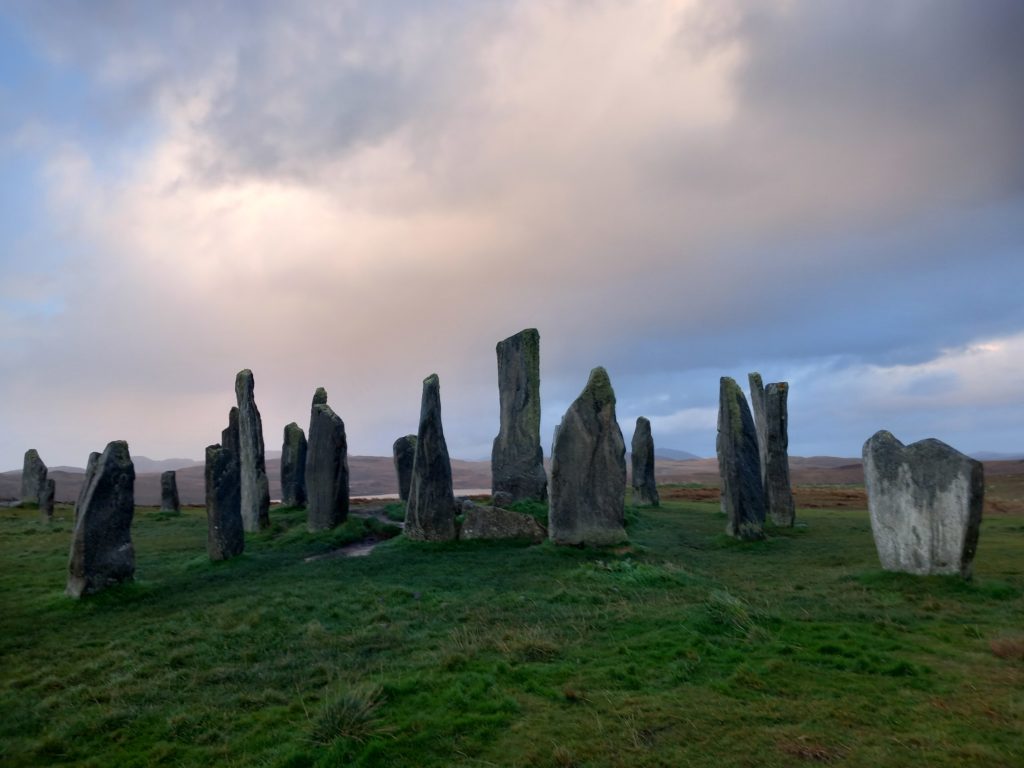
x: 357, y: 196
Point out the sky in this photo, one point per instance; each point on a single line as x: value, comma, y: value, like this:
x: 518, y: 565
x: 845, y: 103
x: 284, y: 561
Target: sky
x: 357, y: 195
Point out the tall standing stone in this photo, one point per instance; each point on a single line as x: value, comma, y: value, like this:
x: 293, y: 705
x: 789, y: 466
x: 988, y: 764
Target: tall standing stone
x: 90, y: 471
x: 739, y: 464
x: 169, y: 501
x: 225, y: 537
x: 319, y: 398
x: 757, y: 407
x: 293, y: 466
x: 404, y: 452
x: 778, y: 492
x: 101, y: 545
x: 517, y: 459
x: 645, y: 488
x: 46, y: 497
x: 326, y: 470
x: 588, y: 469
x: 430, y: 512
x: 925, y: 503
x: 229, y: 436
x: 255, y: 485
x: 33, y: 477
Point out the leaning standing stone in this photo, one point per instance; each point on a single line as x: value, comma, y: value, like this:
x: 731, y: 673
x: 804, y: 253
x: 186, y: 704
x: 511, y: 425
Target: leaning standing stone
x: 293, y: 467
x: 169, y: 501
x: 739, y: 465
x: 225, y: 537
x: 757, y: 408
x: 101, y: 545
x: 777, y: 490
x: 33, y: 477
x: 430, y: 512
x: 645, y: 489
x: 326, y: 470
x: 588, y: 469
x: 404, y: 451
x: 46, y: 500
x: 517, y: 459
x: 925, y: 503
x: 255, y: 485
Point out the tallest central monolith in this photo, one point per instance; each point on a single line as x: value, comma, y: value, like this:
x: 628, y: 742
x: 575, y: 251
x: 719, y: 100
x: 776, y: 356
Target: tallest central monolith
x: 517, y: 459
x: 255, y: 488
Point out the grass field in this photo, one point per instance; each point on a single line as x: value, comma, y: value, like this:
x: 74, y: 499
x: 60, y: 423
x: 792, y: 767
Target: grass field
x: 684, y: 649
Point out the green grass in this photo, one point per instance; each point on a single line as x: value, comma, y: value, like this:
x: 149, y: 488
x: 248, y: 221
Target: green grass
x: 687, y: 648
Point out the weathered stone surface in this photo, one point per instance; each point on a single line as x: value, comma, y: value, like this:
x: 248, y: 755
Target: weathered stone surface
x: 46, y: 497
x: 494, y: 523
x: 255, y: 484
x: 101, y: 545
x: 33, y: 477
x: 319, y: 397
x: 778, y: 492
x: 430, y: 511
x: 501, y: 499
x: 90, y: 471
x: 326, y: 470
x: 925, y: 503
x: 645, y: 489
x: 293, y: 466
x: 404, y: 451
x: 757, y: 410
x: 588, y: 469
x: 229, y: 436
x: 225, y: 536
x: 517, y: 459
x: 169, y: 501
x: 739, y: 464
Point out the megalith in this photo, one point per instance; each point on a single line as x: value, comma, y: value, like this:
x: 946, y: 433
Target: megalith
x: 225, y: 537
x: 645, y: 488
x: 588, y: 469
x: 293, y: 466
x: 255, y: 485
x: 326, y: 470
x: 229, y: 436
x: 517, y: 459
x: 778, y: 493
x: 46, y: 498
x: 33, y: 477
x: 169, y: 501
x: 403, y: 452
x: 90, y: 470
x: 739, y: 464
x: 101, y: 544
x: 430, y: 511
x: 925, y: 503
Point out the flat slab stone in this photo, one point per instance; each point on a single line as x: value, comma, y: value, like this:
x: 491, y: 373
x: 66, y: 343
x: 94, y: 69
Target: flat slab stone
x: 33, y: 477
x: 739, y: 464
x: 403, y: 453
x: 327, y: 478
x: 645, y: 487
x: 493, y: 523
x: 101, y: 544
x: 225, y: 535
x: 925, y: 502
x: 293, y: 466
x: 588, y: 470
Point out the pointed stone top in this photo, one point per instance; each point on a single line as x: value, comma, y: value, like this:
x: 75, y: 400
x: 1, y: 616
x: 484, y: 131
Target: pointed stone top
x: 320, y: 396
x: 244, y: 384
x: 755, y: 381
x: 432, y: 381
x: 642, y: 422
x: 599, y: 387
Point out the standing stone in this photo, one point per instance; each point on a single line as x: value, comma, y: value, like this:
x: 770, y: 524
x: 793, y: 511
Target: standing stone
x: 430, y: 512
x: 925, y: 503
x: 90, y: 471
x: 101, y: 545
x: 169, y: 501
x: 293, y: 467
x: 319, y: 398
x: 645, y: 489
x: 778, y: 492
x: 46, y: 500
x: 255, y: 485
x: 326, y: 470
x: 739, y: 465
x: 404, y: 451
x: 757, y: 407
x: 33, y: 477
x: 588, y: 469
x: 229, y: 436
x: 225, y: 537
x: 517, y: 459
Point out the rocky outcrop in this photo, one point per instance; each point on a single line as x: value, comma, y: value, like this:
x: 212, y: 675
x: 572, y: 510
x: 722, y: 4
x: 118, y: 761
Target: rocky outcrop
x: 925, y: 503
x: 255, y: 489
x: 101, y: 544
x: 404, y: 452
x: 645, y: 488
x: 293, y: 466
x: 588, y: 469
x: 739, y: 465
x: 517, y: 459
x: 430, y: 511
x: 326, y: 471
